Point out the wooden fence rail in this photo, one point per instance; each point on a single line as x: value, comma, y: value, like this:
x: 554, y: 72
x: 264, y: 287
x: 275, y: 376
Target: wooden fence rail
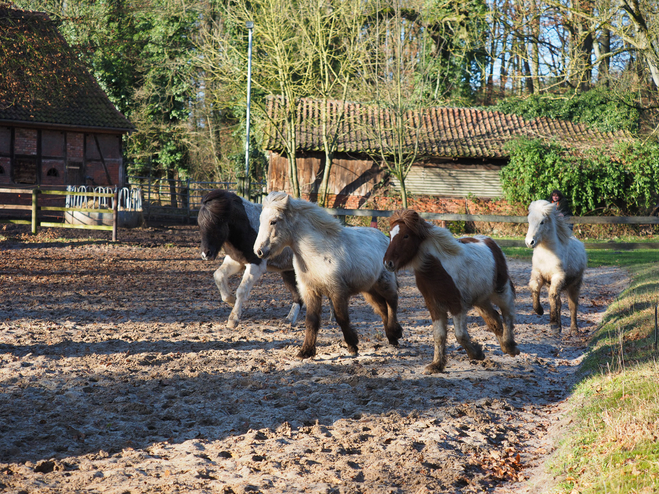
x: 593, y: 220
x: 192, y: 212
x: 35, y: 208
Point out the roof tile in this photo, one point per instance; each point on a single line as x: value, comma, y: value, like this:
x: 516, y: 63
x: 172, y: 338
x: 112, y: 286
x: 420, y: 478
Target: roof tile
x: 446, y: 132
x: 43, y: 81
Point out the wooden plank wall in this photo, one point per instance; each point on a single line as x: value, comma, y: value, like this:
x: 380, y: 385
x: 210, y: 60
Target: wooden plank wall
x: 348, y: 176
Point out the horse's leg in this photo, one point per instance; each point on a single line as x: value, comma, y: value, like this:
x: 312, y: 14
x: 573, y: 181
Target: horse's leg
x: 291, y: 284
x: 555, y: 289
x: 383, y: 297
x: 252, y: 273
x: 387, y: 311
x: 314, y: 303
x: 573, y: 303
x: 439, y: 326
x: 491, y: 318
x: 228, y: 268
x: 506, y: 302
x: 340, y: 303
x: 474, y: 350
x: 535, y: 285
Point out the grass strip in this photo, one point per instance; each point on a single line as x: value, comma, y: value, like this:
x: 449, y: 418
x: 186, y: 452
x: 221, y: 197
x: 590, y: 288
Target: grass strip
x: 612, y: 442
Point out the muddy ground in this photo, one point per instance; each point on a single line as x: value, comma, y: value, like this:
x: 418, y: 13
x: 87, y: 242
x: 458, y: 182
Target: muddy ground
x: 117, y: 374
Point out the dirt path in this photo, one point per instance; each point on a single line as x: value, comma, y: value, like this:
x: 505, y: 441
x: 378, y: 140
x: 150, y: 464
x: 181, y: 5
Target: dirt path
x: 117, y: 374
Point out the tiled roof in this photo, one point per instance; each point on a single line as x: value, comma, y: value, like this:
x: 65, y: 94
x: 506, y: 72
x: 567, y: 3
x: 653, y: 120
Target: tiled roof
x: 444, y: 132
x: 43, y: 82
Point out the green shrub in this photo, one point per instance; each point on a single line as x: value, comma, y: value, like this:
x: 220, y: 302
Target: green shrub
x: 599, y: 108
x: 625, y: 181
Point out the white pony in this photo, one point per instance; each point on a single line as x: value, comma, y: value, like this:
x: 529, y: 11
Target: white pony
x: 454, y: 275
x: 559, y: 259
x: 329, y: 260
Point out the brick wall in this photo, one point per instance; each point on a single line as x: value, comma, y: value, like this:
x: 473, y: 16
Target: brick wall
x: 25, y: 141
x: 75, y: 146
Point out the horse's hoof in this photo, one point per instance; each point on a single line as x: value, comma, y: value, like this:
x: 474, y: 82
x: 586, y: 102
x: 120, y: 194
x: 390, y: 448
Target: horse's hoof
x: 233, y: 323
x: 511, y: 350
x: 555, y: 327
x: 434, y: 368
x: 352, y: 350
x: 475, y: 353
x: 393, y: 341
x: 306, y: 353
x: 539, y: 310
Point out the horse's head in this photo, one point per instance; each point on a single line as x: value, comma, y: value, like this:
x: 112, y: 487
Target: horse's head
x: 408, y: 231
x: 213, y: 222
x: 542, y: 216
x: 273, y: 231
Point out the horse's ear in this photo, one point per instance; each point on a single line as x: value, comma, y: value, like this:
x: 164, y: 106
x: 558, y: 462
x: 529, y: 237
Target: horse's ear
x: 277, y: 199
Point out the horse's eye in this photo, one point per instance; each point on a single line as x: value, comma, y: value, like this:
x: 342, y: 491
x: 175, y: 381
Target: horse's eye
x: 406, y: 236
x: 273, y: 222
x: 542, y: 222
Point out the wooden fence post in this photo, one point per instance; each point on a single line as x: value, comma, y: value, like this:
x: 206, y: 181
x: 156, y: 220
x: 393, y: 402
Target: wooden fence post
x: 35, y: 206
x: 115, y: 216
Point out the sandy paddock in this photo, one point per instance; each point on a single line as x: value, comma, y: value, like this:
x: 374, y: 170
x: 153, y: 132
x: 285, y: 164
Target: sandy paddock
x: 118, y: 375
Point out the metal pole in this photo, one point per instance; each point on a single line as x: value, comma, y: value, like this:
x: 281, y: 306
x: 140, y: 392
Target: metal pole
x: 250, y: 27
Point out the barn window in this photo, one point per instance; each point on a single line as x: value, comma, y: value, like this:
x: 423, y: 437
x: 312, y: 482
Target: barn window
x: 52, y: 173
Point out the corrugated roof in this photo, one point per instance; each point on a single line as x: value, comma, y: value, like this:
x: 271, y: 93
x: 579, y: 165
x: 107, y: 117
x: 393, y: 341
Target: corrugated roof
x: 43, y: 82
x: 444, y: 132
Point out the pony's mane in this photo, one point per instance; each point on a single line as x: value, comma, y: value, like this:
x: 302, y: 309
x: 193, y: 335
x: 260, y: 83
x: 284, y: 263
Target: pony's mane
x: 215, y: 208
x: 317, y: 216
x: 548, y: 210
x: 221, y: 206
x: 440, y: 238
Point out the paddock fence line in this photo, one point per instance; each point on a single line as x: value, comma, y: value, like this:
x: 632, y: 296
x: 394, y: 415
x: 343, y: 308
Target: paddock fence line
x: 583, y: 220
x: 100, y: 200
x: 180, y: 200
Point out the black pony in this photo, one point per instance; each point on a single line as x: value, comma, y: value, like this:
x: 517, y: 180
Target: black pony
x: 227, y: 221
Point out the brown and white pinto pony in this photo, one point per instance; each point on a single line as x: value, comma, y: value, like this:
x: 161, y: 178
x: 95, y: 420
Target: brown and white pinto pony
x: 559, y: 260
x: 454, y: 275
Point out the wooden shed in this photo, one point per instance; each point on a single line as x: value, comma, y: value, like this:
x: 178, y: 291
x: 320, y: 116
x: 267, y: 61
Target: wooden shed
x: 57, y: 125
x: 460, y: 150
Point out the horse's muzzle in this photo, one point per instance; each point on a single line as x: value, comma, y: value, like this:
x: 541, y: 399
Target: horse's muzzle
x: 389, y: 266
x: 208, y: 255
x: 261, y: 253
x: 530, y: 243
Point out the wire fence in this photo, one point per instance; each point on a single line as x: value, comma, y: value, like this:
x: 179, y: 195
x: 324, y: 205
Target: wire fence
x: 180, y: 200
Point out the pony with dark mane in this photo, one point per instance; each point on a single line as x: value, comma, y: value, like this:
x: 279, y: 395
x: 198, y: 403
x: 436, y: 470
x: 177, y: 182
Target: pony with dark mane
x: 329, y: 260
x: 453, y: 276
x: 226, y: 221
x: 559, y: 260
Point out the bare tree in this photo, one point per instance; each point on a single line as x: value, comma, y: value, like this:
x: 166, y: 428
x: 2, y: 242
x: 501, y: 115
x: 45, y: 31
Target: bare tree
x: 396, y: 127
x: 278, y: 65
x: 332, y: 33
